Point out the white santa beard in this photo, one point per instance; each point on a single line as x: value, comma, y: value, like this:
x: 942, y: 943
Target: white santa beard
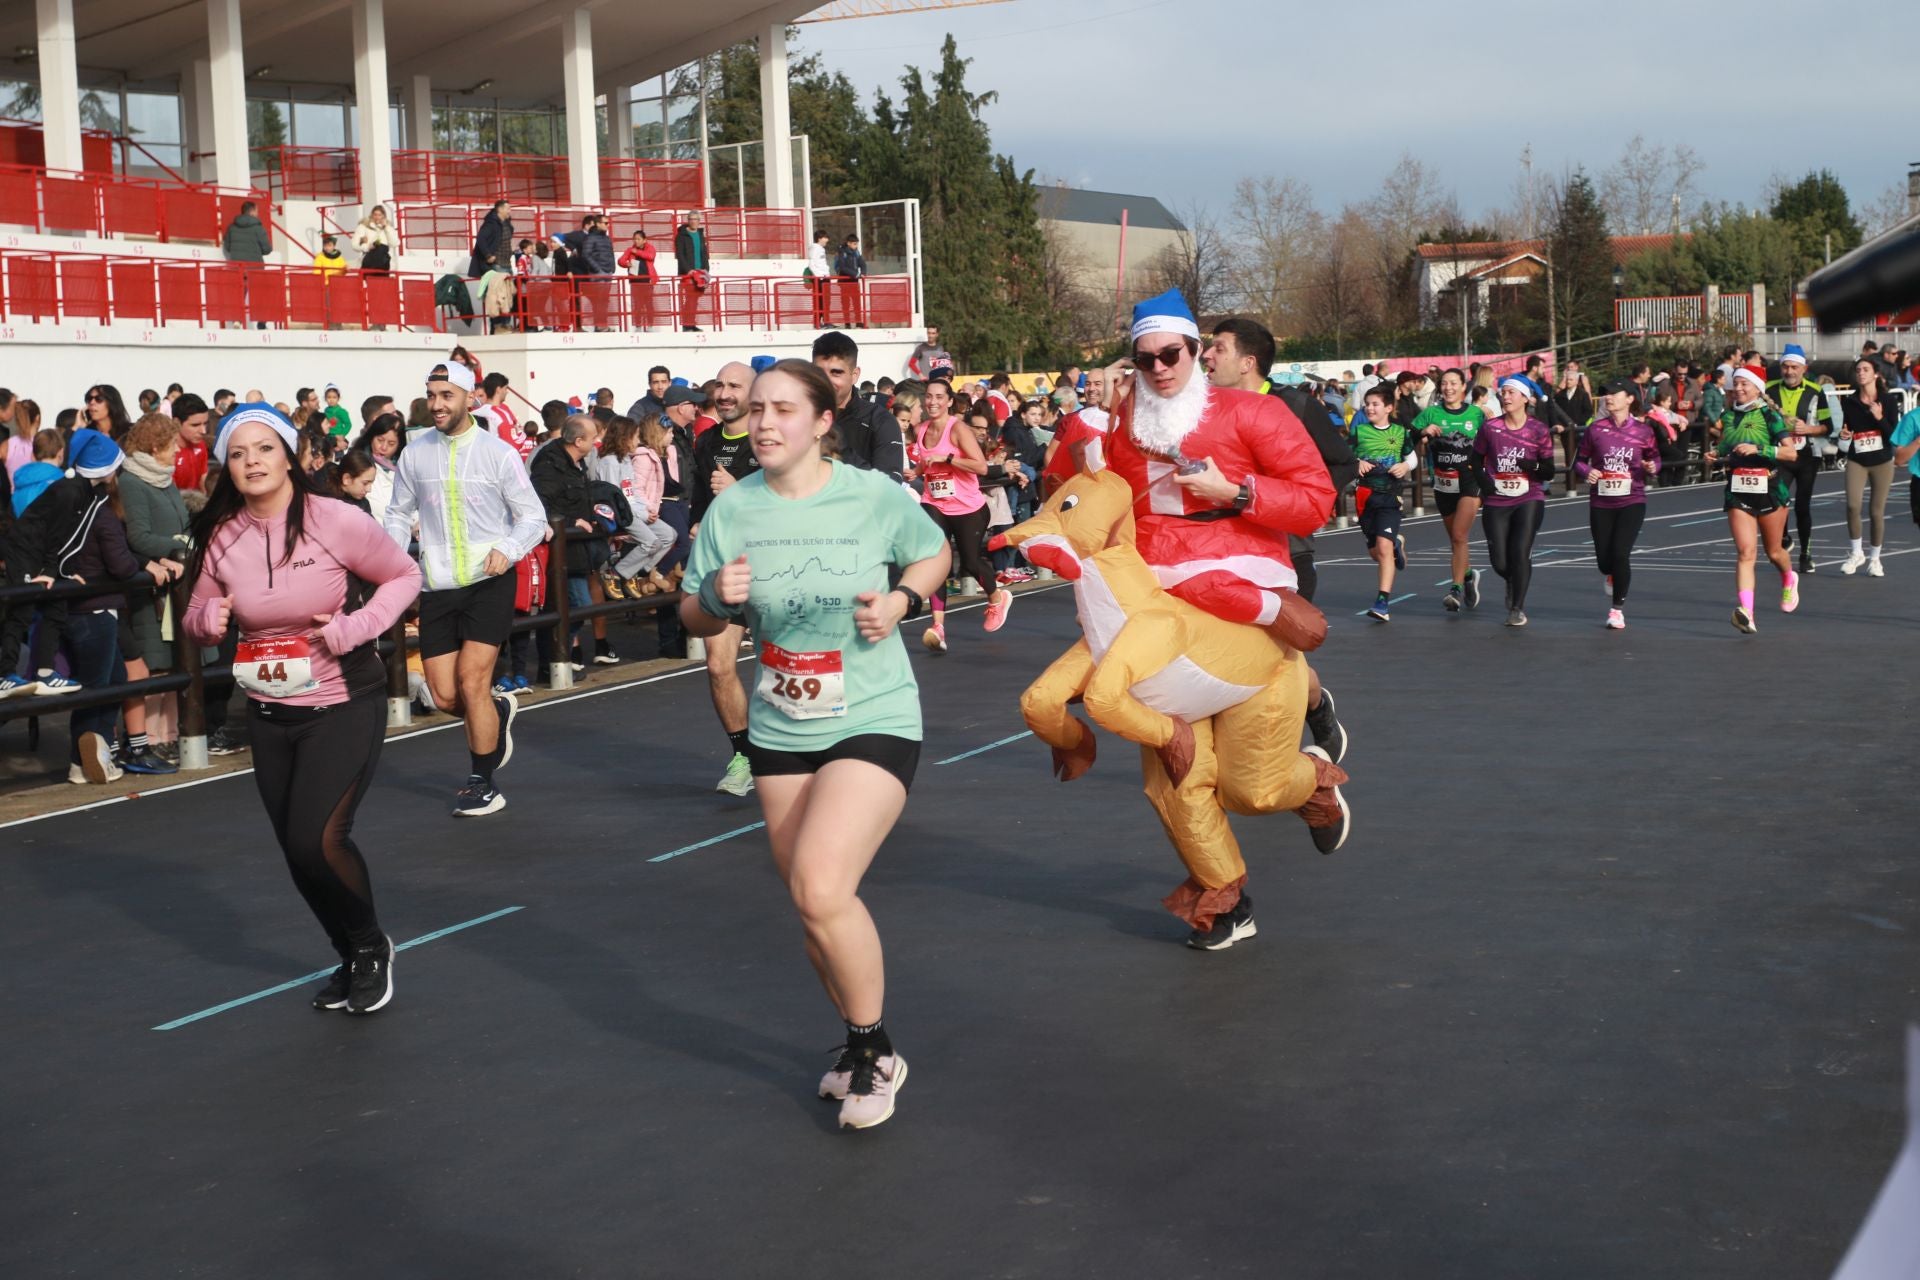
x: 1160, y: 422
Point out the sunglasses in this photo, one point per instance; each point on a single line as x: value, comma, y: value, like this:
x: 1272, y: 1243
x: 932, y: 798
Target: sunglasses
x: 96, y: 399
x: 1166, y: 357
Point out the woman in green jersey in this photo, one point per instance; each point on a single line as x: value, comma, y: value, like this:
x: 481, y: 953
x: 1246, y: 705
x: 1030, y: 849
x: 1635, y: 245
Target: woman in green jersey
x: 1756, y: 444
x: 801, y: 552
x: 1450, y: 426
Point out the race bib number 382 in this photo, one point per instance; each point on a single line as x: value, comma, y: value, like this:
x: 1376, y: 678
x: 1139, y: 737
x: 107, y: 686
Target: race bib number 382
x: 803, y: 686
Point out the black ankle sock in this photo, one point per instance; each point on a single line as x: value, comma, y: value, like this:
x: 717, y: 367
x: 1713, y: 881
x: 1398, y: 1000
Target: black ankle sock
x: 860, y: 1039
x: 136, y: 743
x: 739, y: 741
x: 482, y: 767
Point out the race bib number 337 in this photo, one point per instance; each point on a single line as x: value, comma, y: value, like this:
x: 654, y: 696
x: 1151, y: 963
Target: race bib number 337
x: 803, y: 686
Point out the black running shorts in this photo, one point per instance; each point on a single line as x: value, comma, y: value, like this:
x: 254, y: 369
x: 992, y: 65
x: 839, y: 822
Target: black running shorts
x: 898, y: 756
x: 481, y: 613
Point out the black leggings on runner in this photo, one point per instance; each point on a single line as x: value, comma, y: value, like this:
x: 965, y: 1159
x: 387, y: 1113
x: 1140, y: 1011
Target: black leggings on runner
x: 1615, y: 530
x: 969, y: 533
x: 313, y: 766
x: 1510, y: 532
x: 1800, y: 473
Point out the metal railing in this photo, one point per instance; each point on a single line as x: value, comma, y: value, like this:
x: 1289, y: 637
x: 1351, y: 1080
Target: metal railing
x: 1685, y: 314
x: 889, y: 232
x: 622, y: 304
x: 189, y: 679
x: 105, y: 204
x: 106, y: 288
x: 731, y: 233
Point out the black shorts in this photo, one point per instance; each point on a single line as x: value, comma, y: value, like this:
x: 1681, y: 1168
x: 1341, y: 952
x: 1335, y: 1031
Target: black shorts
x: 482, y: 613
x: 1913, y: 496
x: 1380, y: 520
x: 1449, y: 502
x: 898, y: 756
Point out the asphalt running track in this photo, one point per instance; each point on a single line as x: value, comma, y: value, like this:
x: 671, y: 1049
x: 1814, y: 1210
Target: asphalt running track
x: 1610, y: 982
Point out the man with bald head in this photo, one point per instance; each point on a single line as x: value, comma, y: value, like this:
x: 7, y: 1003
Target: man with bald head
x: 724, y: 456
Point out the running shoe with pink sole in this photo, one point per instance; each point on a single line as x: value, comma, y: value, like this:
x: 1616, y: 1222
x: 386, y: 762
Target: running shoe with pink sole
x: 1790, y: 593
x: 999, y: 604
x: 871, y: 1090
x: 935, y: 638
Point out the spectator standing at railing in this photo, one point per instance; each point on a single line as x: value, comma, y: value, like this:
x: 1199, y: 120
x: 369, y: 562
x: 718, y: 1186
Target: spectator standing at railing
x: 594, y: 248
x: 477, y: 515
x: 493, y: 243
x: 247, y: 238
x: 373, y: 239
x: 560, y: 478
x: 637, y: 260
x: 329, y: 262
x: 690, y: 258
x: 817, y: 273
x: 849, y: 267
x: 156, y: 519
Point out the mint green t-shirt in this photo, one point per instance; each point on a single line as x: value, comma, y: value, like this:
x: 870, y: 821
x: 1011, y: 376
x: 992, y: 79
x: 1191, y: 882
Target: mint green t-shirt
x: 816, y: 681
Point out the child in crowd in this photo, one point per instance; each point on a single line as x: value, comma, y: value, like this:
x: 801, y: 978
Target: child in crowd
x: 42, y: 541
x: 329, y: 262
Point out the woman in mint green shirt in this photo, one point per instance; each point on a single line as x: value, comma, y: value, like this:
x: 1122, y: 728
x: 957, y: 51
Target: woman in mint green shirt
x: 801, y: 552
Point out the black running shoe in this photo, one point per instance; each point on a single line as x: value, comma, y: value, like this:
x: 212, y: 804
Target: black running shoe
x: 1399, y: 550
x: 477, y: 799
x: 370, y: 978
x: 1786, y: 539
x: 1806, y: 560
x: 334, y: 994
x: 1229, y: 927
x: 507, y: 706
x: 1452, y: 600
x: 1324, y: 724
x: 1473, y: 589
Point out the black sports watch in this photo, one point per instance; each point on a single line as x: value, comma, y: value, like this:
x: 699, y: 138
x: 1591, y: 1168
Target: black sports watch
x: 916, y: 603
x: 1244, y: 498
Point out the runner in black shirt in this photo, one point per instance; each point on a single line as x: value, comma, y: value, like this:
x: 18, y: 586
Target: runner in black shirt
x: 722, y: 455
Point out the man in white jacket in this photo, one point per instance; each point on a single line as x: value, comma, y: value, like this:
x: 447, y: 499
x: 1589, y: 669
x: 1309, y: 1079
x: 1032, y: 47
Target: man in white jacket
x: 478, y: 515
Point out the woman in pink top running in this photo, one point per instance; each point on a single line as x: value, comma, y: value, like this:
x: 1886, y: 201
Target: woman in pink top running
x: 289, y: 568
x: 950, y: 465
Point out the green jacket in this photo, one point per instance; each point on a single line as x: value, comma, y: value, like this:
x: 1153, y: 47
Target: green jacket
x: 156, y: 530
x: 247, y: 240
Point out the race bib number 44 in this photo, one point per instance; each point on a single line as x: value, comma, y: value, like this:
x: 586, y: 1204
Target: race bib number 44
x: 1748, y: 480
x: 274, y: 668
x: 803, y: 686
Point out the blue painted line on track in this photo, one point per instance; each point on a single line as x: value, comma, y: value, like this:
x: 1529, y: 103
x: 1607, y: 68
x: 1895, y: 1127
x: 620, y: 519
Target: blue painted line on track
x: 725, y: 835
x: 967, y: 755
x: 315, y: 976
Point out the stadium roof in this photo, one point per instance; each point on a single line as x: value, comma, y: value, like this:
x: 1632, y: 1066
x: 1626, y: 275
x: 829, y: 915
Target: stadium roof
x: 511, y: 43
x: 1103, y: 208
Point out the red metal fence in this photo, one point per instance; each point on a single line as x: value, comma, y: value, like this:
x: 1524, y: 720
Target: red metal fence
x: 620, y: 304
x: 103, y: 288
x: 333, y: 174
x: 102, y: 204
x: 731, y: 233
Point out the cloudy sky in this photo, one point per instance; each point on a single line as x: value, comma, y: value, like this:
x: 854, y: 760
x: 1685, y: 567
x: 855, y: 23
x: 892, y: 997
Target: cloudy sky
x: 1180, y: 100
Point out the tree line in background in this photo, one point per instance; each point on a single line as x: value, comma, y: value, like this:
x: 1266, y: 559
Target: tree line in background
x: 1335, y: 284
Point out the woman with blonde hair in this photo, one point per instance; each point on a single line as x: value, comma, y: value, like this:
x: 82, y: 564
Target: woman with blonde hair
x: 373, y: 237
x: 637, y: 472
x: 25, y: 421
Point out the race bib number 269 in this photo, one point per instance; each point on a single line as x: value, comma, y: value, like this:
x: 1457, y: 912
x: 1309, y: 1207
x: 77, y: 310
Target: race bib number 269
x: 803, y: 686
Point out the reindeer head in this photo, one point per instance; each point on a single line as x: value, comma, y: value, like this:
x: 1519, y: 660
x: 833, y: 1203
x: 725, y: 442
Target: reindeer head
x: 1086, y: 515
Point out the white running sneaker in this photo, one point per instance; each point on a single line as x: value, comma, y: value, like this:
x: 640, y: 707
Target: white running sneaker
x: 1874, y: 570
x: 1852, y: 563
x: 1616, y: 620
x: 871, y: 1090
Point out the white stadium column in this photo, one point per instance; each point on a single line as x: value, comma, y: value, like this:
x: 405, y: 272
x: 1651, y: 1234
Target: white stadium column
x: 583, y: 141
x: 370, y: 101
x: 59, y: 85
x: 196, y: 111
x: 620, y: 120
x: 420, y: 114
x: 232, y: 166
x: 776, y: 117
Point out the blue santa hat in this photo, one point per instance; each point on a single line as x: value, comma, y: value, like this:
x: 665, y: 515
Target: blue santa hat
x: 763, y: 363
x: 1524, y: 385
x: 93, y: 455
x: 1794, y: 351
x: 1167, y: 313
x: 263, y: 414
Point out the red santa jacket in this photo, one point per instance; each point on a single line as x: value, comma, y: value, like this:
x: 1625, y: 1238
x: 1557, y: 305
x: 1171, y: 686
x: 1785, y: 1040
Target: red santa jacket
x: 1253, y: 439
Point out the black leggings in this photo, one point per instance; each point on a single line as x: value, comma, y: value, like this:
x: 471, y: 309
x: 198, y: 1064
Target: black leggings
x: 312, y: 766
x: 1510, y: 532
x: 1615, y: 530
x: 969, y: 533
x: 1800, y: 473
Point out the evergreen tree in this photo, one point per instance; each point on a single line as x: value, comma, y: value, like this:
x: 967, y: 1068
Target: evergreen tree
x: 1814, y: 209
x: 1582, y: 263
